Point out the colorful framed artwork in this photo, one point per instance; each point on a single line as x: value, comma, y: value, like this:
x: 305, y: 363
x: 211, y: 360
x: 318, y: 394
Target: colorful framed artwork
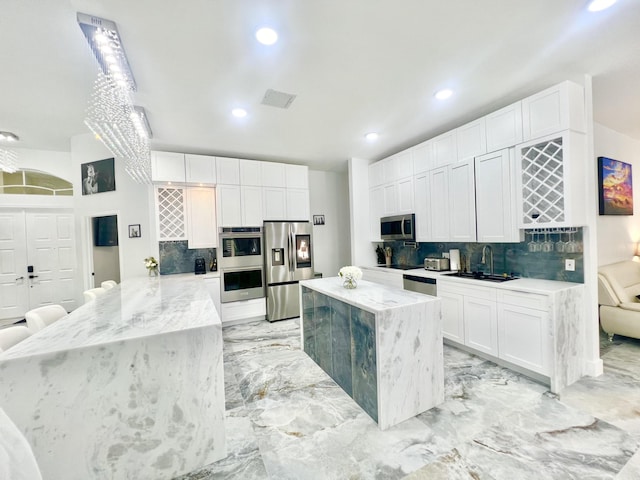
x: 98, y: 177
x: 615, y: 187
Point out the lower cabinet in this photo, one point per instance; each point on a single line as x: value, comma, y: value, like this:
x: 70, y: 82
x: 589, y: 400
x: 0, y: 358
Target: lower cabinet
x: 243, y: 311
x: 512, y: 326
x: 383, y: 276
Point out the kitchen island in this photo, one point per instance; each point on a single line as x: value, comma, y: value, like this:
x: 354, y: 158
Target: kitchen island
x: 382, y: 345
x: 129, y: 385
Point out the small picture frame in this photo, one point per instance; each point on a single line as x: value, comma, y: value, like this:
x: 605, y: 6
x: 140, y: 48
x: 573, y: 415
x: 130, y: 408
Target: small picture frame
x: 134, y: 231
x: 318, y: 219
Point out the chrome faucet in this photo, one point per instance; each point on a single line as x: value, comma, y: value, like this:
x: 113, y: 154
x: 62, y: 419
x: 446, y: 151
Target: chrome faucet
x: 484, y: 257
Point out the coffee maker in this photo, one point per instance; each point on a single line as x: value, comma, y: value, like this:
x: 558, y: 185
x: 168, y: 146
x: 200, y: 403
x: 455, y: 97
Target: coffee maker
x: 200, y: 266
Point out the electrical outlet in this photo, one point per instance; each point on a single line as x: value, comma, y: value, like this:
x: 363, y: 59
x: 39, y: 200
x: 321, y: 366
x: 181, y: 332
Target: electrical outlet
x: 570, y: 264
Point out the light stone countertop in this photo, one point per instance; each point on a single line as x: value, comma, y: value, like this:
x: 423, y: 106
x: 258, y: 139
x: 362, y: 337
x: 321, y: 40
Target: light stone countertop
x: 529, y: 285
x: 138, y: 307
x: 368, y: 296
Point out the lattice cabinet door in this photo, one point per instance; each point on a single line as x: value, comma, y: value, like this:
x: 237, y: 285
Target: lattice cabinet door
x: 551, y: 181
x: 171, y: 208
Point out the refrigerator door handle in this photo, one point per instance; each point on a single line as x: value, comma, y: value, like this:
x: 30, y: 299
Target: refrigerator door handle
x: 291, y: 252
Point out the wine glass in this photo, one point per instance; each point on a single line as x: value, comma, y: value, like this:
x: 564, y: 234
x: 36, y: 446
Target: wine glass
x: 560, y: 244
x: 547, y: 245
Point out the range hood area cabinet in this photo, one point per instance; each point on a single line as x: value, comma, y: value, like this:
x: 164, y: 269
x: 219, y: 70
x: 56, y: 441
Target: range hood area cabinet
x: 550, y: 181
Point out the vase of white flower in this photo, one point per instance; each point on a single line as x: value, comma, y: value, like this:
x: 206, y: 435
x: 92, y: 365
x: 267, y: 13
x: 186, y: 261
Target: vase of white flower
x: 351, y: 275
x: 152, y: 266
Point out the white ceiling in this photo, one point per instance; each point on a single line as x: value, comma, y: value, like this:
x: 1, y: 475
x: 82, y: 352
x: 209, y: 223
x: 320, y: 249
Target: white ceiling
x: 355, y: 65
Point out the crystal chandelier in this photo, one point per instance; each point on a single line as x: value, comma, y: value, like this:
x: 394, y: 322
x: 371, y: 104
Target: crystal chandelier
x: 111, y: 115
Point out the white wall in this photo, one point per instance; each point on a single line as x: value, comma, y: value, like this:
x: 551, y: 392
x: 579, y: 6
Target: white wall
x: 362, y: 249
x: 618, y: 234
x: 55, y: 163
x: 130, y: 201
x: 328, y: 196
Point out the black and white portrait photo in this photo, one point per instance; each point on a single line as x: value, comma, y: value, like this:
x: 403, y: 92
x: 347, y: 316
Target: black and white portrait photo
x: 98, y: 177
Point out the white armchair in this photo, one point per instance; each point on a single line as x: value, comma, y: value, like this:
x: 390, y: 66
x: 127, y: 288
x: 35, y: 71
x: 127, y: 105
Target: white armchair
x: 10, y: 336
x: 618, y: 285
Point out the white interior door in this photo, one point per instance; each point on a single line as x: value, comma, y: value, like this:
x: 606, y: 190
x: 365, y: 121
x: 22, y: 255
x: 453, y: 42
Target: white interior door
x: 51, y: 252
x: 14, y: 286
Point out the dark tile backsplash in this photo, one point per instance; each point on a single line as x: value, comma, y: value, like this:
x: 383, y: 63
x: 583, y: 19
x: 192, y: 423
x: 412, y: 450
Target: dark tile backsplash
x: 512, y: 258
x: 176, y: 257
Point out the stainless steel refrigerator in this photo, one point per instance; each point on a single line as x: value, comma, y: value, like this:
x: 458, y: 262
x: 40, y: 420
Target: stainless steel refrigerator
x: 288, y: 259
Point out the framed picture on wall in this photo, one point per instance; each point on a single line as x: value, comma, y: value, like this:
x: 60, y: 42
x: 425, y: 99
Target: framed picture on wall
x: 318, y: 219
x: 615, y: 187
x: 134, y: 231
x: 98, y: 177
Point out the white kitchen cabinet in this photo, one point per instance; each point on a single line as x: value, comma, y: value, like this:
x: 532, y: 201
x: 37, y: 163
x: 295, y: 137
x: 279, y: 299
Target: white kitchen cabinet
x: 444, y: 149
x: 481, y: 321
x: 496, y: 219
x: 273, y: 174
x: 297, y: 204
x: 200, y: 169
x: 243, y: 311
x: 251, y: 173
x: 389, y: 199
x: 462, y: 211
x: 297, y: 176
x: 554, y: 110
x: 228, y: 170
x: 422, y: 210
x: 201, y: 215
x: 212, y: 284
x: 376, y: 206
x: 452, y: 313
x: 390, y: 169
x: 376, y: 174
x: 275, y: 203
x: 504, y: 127
x: 438, y: 196
x: 251, y: 205
x: 229, y: 205
x: 422, y: 155
x: 405, y: 196
x: 523, y: 337
x: 383, y: 276
x: 471, y: 139
x: 167, y: 167
x: 403, y: 164
x: 171, y: 212
x: 550, y: 181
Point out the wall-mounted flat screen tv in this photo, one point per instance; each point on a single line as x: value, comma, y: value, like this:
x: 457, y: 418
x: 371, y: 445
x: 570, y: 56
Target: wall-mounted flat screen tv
x: 105, y: 231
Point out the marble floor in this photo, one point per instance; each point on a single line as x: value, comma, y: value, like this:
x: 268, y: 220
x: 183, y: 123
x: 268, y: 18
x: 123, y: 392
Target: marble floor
x: 286, y: 419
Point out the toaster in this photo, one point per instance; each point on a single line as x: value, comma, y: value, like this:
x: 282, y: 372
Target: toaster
x: 436, y: 264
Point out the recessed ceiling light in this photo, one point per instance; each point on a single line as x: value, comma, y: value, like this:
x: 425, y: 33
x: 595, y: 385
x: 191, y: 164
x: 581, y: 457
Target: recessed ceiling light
x: 267, y: 36
x: 371, y: 137
x: 443, y: 94
x: 239, y: 112
x: 597, y: 5
x: 8, y: 137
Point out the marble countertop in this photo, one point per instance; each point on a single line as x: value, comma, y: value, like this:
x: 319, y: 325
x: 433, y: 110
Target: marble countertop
x: 138, y: 307
x: 529, y: 285
x: 369, y: 296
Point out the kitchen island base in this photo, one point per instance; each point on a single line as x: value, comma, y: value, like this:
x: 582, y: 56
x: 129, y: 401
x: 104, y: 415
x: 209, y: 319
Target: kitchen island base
x: 381, y: 345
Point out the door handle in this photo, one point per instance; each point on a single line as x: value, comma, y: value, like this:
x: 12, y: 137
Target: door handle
x: 19, y: 278
x: 32, y: 276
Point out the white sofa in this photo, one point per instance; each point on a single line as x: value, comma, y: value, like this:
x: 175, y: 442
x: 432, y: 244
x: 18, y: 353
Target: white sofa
x: 618, y: 285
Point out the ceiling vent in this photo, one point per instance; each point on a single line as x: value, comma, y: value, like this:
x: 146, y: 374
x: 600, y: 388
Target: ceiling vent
x: 273, y: 98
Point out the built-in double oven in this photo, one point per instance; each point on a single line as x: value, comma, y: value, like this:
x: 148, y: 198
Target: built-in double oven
x: 241, y: 263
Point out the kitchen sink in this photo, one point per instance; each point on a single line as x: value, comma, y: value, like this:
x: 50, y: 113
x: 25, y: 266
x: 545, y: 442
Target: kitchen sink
x: 482, y: 276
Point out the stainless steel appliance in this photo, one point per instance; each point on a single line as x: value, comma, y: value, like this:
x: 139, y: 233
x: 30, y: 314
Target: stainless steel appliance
x: 288, y: 259
x: 436, y: 264
x: 428, y: 286
x: 241, y: 264
x: 398, y: 227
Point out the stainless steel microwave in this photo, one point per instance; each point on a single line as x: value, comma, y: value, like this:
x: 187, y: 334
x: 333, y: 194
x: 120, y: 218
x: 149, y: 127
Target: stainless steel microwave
x: 398, y: 227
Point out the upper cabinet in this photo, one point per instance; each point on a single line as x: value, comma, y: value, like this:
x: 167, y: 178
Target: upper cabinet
x: 251, y: 173
x: 201, y: 214
x: 550, y: 181
x: 444, y: 149
x: 471, y: 139
x: 422, y: 155
x: 504, y: 127
x: 273, y: 174
x: 297, y: 176
x: 200, y: 169
x: 167, y: 167
x: 228, y: 170
x: 554, y: 110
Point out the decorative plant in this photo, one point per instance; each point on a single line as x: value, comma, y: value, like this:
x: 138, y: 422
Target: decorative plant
x: 351, y: 276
